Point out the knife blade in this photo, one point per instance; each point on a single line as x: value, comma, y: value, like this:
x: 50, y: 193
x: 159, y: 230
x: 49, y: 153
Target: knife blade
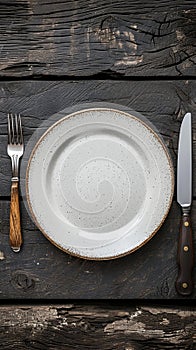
x: 184, y: 282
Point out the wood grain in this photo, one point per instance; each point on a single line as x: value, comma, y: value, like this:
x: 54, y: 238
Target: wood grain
x: 15, y: 227
x: 43, y: 271
x: 79, y: 38
x: 162, y: 102
x: 140, y: 40
x: 99, y: 326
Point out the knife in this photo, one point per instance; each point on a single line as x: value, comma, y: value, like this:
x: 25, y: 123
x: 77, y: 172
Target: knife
x: 184, y: 282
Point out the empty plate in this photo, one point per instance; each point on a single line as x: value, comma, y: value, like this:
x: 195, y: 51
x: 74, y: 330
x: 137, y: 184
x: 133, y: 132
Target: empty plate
x: 99, y: 183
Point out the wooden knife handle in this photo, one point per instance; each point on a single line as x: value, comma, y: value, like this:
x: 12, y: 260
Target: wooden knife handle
x: 184, y: 282
x: 15, y: 227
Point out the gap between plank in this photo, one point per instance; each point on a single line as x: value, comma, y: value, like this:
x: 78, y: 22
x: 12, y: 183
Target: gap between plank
x: 99, y: 76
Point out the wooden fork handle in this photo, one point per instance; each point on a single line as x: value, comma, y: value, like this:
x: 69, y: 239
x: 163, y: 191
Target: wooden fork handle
x: 15, y: 227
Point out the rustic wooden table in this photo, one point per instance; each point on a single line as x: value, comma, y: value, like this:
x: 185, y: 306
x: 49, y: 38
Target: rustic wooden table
x: 55, y: 55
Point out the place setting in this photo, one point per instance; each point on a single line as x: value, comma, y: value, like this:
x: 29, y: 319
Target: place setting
x: 98, y: 181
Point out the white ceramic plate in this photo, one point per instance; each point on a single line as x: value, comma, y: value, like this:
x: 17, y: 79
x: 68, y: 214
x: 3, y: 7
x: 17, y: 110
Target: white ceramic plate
x: 99, y: 183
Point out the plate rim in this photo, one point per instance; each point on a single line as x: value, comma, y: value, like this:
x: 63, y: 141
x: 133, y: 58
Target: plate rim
x: 171, y: 167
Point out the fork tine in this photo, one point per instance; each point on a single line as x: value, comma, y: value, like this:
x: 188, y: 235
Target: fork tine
x: 12, y: 129
x: 17, y: 133
x: 20, y: 129
x: 9, y: 128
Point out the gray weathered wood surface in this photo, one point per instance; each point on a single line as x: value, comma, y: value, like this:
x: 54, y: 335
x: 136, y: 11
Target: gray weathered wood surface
x: 164, y: 103
x: 94, y: 327
x: 84, y: 38
x: 43, y: 271
x: 149, y: 49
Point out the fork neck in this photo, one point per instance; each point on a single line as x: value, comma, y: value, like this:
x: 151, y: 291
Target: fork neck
x: 15, y: 167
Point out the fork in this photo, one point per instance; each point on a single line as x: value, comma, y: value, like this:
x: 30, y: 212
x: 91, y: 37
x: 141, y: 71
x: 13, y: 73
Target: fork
x: 15, y: 149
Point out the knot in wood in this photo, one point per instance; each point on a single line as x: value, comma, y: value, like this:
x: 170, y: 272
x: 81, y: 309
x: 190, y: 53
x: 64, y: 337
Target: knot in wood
x: 21, y: 280
x: 109, y: 22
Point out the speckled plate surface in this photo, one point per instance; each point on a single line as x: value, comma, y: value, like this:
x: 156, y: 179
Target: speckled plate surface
x: 99, y: 183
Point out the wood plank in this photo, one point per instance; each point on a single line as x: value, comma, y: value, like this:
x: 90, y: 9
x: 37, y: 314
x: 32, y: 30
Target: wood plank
x: 95, y: 327
x: 79, y: 38
x: 163, y: 103
x: 43, y: 271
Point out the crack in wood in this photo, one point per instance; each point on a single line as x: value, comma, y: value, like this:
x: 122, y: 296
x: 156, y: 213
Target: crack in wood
x: 106, y: 39
x: 144, y: 327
